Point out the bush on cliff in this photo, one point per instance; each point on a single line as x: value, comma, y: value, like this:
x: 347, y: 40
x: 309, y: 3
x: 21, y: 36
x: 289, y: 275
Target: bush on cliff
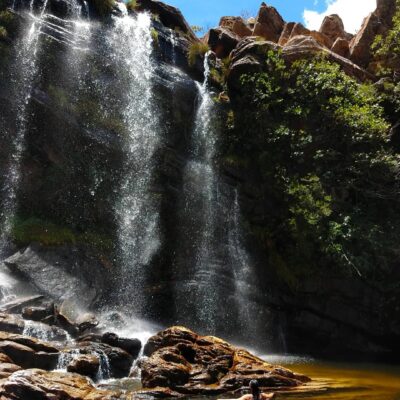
x: 317, y: 145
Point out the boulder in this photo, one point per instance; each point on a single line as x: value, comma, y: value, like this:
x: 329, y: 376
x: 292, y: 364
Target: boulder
x: 55, y: 272
x: 341, y: 47
x: 360, y: 46
x: 39, y: 313
x: 301, y: 30
x: 286, y: 33
x: 269, y: 24
x: 85, y: 364
x: 237, y: 25
x: 169, y: 16
x: 119, y: 360
x: 28, y: 352
x: 187, y: 363
x: 11, y: 323
x: 41, y: 385
x: 222, y: 41
x: 332, y: 27
x: 17, y: 305
x: 247, y: 58
x: 7, y: 369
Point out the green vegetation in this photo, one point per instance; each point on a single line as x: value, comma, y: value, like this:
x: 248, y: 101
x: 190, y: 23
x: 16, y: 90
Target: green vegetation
x: 131, y: 5
x: 197, y: 29
x: 154, y: 36
x: 7, y: 23
x: 103, y: 7
x: 47, y: 233
x: 198, y: 49
x: 386, y: 49
x: 317, y: 145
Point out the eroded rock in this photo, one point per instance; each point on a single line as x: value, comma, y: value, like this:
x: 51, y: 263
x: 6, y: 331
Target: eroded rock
x: 85, y: 364
x: 185, y: 362
x: 269, y: 23
x: 237, y: 25
x: 40, y: 385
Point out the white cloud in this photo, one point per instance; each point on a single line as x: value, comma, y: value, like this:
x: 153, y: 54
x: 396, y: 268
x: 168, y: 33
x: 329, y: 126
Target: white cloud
x: 352, y: 13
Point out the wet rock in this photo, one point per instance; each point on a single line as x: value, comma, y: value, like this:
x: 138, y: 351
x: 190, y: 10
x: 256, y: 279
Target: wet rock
x: 11, y: 323
x: 40, y: 385
x: 51, y: 273
x: 185, y: 362
x: 17, y: 305
x: 7, y: 369
x: 237, y: 25
x: 119, y: 360
x: 131, y: 346
x: 28, y: 352
x: 269, y: 23
x: 169, y: 16
x: 85, y: 364
x: 38, y: 313
x: 222, y: 41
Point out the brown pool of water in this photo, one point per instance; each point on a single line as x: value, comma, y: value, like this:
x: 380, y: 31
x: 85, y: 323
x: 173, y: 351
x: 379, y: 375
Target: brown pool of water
x: 342, y: 381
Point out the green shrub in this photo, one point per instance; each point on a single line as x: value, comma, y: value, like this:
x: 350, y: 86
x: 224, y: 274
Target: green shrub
x: 154, y: 36
x: 131, y: 5
x: 319, y: 148
x: 198, y: 49
x: 3, y: 32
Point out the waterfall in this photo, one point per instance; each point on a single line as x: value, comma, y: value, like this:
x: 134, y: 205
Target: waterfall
x: 24, y: 72
x: 137, y: 206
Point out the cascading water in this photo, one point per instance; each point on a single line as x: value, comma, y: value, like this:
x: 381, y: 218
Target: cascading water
x: 221, y: 266
x: 24, y: 73
x: 137, y: 208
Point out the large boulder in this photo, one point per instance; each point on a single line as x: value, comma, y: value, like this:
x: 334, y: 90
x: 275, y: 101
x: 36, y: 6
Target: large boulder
x: 40, y: 385
x: 341, y: 47
x: 183, y: 361
x: 333, y: 27
x: 85, y: 364
x: 59, y: 273
x: 118, y: 361
x: 237, y: 25
x: 286, y: 33
x: 222, y: 41
x: 269, y: 23
x: 28, y: 352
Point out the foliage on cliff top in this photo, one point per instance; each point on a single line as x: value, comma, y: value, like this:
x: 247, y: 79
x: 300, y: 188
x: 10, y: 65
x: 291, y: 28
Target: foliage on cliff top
x: 318, y: 144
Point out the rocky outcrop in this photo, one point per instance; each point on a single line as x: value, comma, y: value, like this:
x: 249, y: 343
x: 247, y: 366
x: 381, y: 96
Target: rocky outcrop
x: 378, y: 22
x: 237, y: 25
x: 222, y: 41
x: 169, y: 16
x: 85, y: 364
x: 181, y: 360
x: 58, y: 273
x: 249, y: 57
x: 286, y: 33
x: 28, y: 352
x: 41, y: 385
x: 269, y: 24
x: 332, y: 27
x: 341, y: 47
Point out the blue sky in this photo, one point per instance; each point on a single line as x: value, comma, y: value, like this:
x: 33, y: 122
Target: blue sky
x: 206, y: 13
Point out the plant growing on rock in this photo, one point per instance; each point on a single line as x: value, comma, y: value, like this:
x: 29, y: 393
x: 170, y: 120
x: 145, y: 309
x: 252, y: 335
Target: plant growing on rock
x: 198, y: 49
x: 319, y: 148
